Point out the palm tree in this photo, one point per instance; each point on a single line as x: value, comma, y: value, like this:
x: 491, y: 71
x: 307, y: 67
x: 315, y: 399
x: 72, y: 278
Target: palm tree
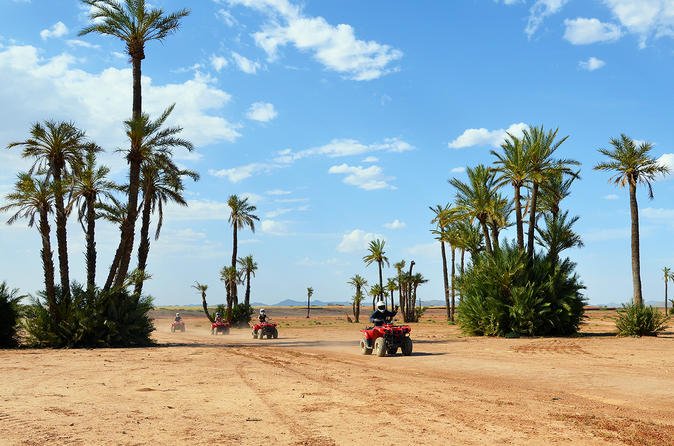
x: 202, y: 288
x: 230, y: 277
x: 558, y: 235
x: 512, y: 167
x: 57, y: 148
x: 556, y: 188
x: 441, y: 220
x: 474, y: 199
x: 499, y: 213
x: 416, y: 280
x: 391, y: 287
x: 135, y: 25
x: 376, y: 254
x: 540, y: 147
x: 161, y: 182
x: 667, y: 272
x: 248, y: 267
x: 240, y: 217
x: 470, y: 239
x: 399, y: 266
x: 631, y: 165
x: 310, y: 292
x: 358, y: 282
x: 152, y: 140
x: 90, y: 184
x: 376, y: 291
x: 31, y: 198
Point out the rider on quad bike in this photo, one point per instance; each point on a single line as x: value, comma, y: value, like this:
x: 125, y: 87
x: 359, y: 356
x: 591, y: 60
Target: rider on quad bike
x: 381, y: 314
x: 263, y: 316
x: 218, y: 318
x: 178, y: 318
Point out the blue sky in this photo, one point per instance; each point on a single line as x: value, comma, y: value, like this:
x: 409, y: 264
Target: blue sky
x: 343, y: 121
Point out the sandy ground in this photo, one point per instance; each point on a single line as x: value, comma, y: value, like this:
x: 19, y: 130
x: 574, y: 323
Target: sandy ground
x: 312, y: 387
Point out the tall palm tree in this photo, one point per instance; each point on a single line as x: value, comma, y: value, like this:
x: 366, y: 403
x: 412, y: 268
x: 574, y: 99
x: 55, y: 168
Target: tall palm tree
x: 248, y: 266
x: 377, y: 254
x: 202, y: 288
x: 57, y: 148
x: 541, y: 147
x: 152, y: 140
x: 558, y: 235
x: 470, y: 238
x: 135, y: 25
x: 474, y: 199
x: 90, y: 185
x: 230, y: 277
x: 391, y: 287
x: 310, y: 292
x: 416, y: 280
x: 400, y: 266
x: 667, y: 273
x: 31, y: 198
x: 500, y: 209
x: 376, y: 291
x: 359, y: 283
x: 161, y: 183
x: 512, y: 167
x: 554, y: 189
x: 240, y: 216
x: 631, y: 165
x: 441, y: 219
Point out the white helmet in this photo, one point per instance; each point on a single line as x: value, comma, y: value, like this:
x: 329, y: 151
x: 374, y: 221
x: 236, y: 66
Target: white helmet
x: 381, y: 305
x: 262, y: 311
x: 177, y: 314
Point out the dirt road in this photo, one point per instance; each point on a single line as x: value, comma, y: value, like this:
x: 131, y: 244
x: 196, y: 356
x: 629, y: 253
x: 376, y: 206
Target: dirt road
x: 312, y: 387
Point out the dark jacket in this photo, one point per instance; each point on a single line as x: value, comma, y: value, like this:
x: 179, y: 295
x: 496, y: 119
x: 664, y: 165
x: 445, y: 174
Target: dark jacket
x: 379, y: 317
x: 262, y: 318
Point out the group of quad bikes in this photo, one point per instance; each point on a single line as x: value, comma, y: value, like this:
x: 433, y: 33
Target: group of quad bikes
x: 381, y: 340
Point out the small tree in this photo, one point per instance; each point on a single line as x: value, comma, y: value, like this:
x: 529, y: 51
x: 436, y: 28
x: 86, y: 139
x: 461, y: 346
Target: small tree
x: 310, y: 292
x: 667, y: 272
x: 202, y: 288
x: 359, y: 283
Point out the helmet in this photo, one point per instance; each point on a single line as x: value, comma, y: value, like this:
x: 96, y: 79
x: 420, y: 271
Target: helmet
x: 177, y: 314
x: 217, y: 314
x: 381, y: 305
x: 262, y: 311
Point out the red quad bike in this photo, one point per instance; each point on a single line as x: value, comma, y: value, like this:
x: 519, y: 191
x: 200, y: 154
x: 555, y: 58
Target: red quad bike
x: 262, y: 329
x: 178, y: 326
x: 386, y: 339
x: 221, y: 327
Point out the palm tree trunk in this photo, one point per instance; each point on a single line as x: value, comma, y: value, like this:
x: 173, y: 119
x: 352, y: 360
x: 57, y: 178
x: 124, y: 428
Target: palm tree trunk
x: 308, y: 304
x: 144, y: 246
x: 48, y: 265
x: 445, y: 279
x: 451, y: 312
x: 114, y: 266
x: 636, y: 263
x: 666, y: 280
x: 235, y: 241
x: 494, y: 237
x: 518, y: 218
x: 381, y: 283
x: 137, y: 107
x: 247, y: 301
x: 61, y: 235
x: 91, y: 244
x: 129, y: 225
x: 205, y: 307
x: 485, y: 232
x: 532, y: 221
x: 463, y: 254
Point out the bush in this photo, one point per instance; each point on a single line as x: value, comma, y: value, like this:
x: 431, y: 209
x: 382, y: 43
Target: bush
x: 241, y: 314
x: 9, y: 315
x: 112, y: 318
x: 505, y: 294
x: 640, y: 320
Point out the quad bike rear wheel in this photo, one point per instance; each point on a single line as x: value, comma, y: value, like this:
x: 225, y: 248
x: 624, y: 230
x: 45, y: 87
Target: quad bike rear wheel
x: 254, y: 334
x: 380, y: 347
x: 274, y: 334
x: 406, y: 348
x: 364, y: 347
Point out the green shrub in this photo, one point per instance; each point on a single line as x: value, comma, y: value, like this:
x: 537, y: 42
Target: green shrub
x: 112, y: 318
x: 9, y: 315
x: 640, y: 320
x: 506, y: 294
x: 241, y: 314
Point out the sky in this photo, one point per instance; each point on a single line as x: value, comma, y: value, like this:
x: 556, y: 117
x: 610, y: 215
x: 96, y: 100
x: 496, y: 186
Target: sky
x: 342, y: 122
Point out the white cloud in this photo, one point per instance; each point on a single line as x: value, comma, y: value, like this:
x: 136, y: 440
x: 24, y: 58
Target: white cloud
x: 282, y: 211
x: 484, y: 137
x: 278, y: 192
x: 274, y: 227
x: 659, y: 215
x: 81, y: 44
x: 510, y: 2
x: 246, y: 65
x: 59, y: 29
x: 262, y: 112
x: 99, y: 102
x: 582, y: 31
x: 357, y: 240
x: 644, y: 17
x: 336, y: 47
x: 218, y: 62
x: 427, y: 250
x: 395, y: 224
x: 667, y: 160
x: 539, y: 11
x: 611, y: 197
x: 367, y: 178
x: 236, y: 174
x: 252, y: 197
x: 458, y: 169
x: 604, y: 235
x: 345, y: 147
x: 197, y: 210
x: 226, y: 17
x: 370, y: 159
x: 591, y: 64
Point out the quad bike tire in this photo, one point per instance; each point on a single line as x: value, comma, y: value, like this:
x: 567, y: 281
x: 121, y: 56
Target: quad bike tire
x: 274, y: 334
x: 364, y: 349
x: 406, y: 348
x: 380, y: 347
x: 212, y: 331
x: 173, y: 329
x: 391, y: 350
x: 254, y: 334
x: 260, y: 334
